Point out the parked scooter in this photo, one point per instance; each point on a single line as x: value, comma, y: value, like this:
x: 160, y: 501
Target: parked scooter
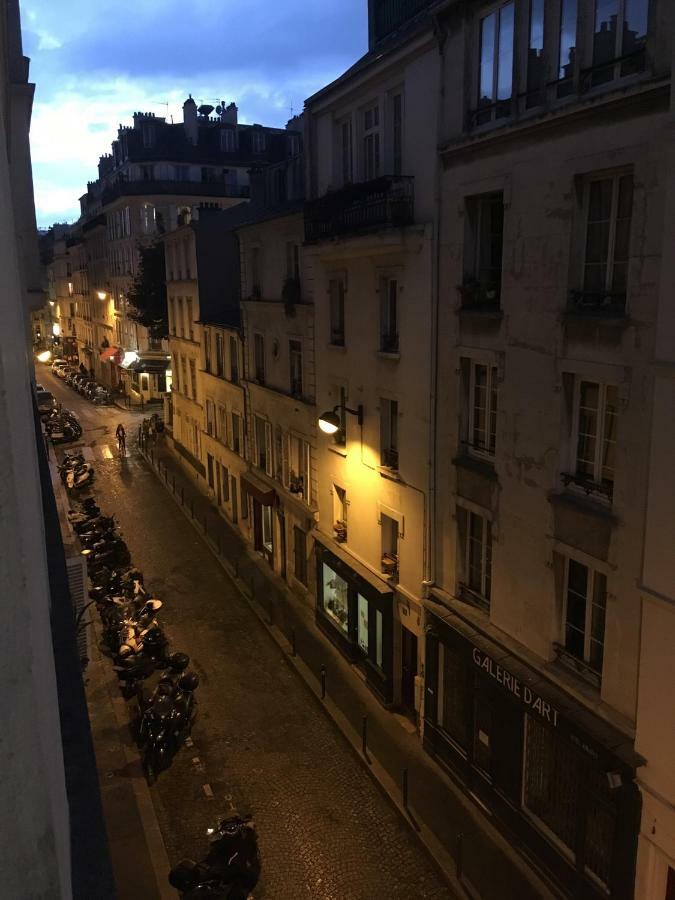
x: 230, y: 870
x: 166, y: 724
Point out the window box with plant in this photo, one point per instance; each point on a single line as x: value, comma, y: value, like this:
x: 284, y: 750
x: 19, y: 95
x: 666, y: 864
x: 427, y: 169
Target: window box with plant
x: 390, y: 565
x: 340, y: 531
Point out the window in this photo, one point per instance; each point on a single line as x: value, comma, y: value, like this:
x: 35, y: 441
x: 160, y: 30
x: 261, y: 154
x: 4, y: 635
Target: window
x: 482, y: 430
x: 259, y: 358
x: 147, y: 173
x: 335, y: 598
x: 397, y: 133
x: 300, y: 554
x: 596, y: 423
x: 292, y: 260
x: 389, y: 433
x: 389, y: 315
x: 207, y: 349
x: 567, y: 48
x: 254, y: 262
x: 210, y: 418
x: 193, y: 379
x: 584, y: 617
x: 619, y: 39
x: 225, y: 483
x: 476, y: 535
x: 389, y: 536
x: 299, y: 476
x: 221, y: 425
x: 362, y: 628
x: 263, y: 444
x: 234, y: 361
x: 209, y: 469
x: 346, y: 151
x: 258, y: 140
x: 267, y: 529
x: 181, y: 173
x: 371, y: 143
x: 190, y: 318
x: 337, y: 311
x: 220, y: 363
x: 176, y: 372
x: 183, y: 372
x: 496, y: 65
x: 295, y: 356
x: 181, y: 320
x: 237, y: 437
x: 609, y: 204
x: 228, y: 143
x: 536, y: 63
x: 485, y: 221
x: 340, y: 513
x: 293, y: 143
x: 148, y: 134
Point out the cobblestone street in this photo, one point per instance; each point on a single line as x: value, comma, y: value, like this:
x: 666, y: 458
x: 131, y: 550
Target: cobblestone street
x: 261, y: 743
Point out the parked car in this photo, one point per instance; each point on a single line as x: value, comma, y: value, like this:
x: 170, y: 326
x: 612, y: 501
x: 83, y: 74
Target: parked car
x: 65, y: 371
x: 58, y: 363
x: 46, y: 402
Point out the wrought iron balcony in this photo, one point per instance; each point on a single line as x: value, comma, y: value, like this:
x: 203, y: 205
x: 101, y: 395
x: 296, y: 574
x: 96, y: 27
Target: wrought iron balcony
x: 610, y: 304
x: 360, y: 207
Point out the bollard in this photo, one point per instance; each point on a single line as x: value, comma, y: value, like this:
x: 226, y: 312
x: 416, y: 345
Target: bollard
x: 323, y: 682
x: 294, y: 651
x: 459, y: 854
x: 364, y: 734
x: 405, y: 789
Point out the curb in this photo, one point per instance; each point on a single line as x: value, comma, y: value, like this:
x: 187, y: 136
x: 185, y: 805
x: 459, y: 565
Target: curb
x: 437, y: 854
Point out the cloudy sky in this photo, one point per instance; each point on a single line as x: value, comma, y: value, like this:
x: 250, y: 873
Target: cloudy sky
x: 95, y: 63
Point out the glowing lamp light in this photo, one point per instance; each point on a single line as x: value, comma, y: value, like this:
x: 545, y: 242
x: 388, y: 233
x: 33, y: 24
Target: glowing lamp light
x: 52, y: 302
x: 130, y: 356
x: 101, y: 295
x: 45, y: 356
x: 56, y: 329
x: 329, y: 422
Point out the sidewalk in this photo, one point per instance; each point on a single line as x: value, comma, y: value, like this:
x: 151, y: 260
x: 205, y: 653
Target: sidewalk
x: 465, y: 844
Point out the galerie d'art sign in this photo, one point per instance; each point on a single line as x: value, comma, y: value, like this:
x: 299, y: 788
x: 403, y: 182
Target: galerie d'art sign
x: 525, y: 694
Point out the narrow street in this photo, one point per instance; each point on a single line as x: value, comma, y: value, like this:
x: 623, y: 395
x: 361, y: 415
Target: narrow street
x: 261, y: 743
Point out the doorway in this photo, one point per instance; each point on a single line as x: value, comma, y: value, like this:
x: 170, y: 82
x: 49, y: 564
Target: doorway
x: 408, y: 670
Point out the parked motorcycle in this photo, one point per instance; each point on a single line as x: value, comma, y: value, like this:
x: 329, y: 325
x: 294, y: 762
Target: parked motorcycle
x: 231, y: 868
x: 166, y: 724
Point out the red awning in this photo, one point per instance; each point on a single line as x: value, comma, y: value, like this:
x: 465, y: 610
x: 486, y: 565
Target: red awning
x: 113, y: 354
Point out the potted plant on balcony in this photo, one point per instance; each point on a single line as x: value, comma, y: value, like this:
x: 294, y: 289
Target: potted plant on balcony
x: 390, y: 564
x: 340, y: 530
x: 296, y: 484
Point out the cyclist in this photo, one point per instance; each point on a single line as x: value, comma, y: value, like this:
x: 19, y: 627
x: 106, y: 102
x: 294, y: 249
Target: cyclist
x: 121, y: 436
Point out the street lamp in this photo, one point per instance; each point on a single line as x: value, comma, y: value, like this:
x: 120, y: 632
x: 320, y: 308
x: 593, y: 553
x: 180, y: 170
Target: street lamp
x: 101, y: 295
x: 332, y: 421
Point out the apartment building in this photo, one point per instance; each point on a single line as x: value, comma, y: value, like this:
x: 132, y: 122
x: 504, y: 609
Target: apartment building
x: 553, y: 136
x: 370, y: 249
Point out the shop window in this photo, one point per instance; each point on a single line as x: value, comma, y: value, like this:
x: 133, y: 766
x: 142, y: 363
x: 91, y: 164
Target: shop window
x: 453, y: 691
x: 551, y: 781
x: 484, y: 240
x: 584, y: 617
x: 300, y: 554
x: 267, y: 529
x: 389, y: 536
x: 378, y: 638
x: 363, y: 615
x: 335, y: 598
x: 495, y: 82
x: 600, y: 828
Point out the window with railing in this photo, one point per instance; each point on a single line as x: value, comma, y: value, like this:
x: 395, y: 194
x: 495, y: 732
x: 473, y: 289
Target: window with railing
x: 596, y: 408
x: 584, y: 616
x: 608, y: 205
x: 371, y: 143
x: 475, y: 534
x: 389, y: 529
x: 484, y: 239
x: 481, y: 411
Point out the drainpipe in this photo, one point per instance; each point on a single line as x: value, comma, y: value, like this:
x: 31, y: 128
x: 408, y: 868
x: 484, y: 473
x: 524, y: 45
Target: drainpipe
x: 430, y: 524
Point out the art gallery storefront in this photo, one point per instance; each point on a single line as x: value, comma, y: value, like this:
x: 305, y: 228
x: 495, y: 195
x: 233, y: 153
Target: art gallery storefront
x: 559, y: 779
x: 354, y: 609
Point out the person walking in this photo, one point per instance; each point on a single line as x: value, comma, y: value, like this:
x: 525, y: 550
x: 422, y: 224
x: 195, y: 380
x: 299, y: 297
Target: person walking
x: 121, y: 436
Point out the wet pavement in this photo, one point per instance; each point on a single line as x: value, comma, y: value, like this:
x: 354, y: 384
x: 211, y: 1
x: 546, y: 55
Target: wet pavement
x: 261, y: 743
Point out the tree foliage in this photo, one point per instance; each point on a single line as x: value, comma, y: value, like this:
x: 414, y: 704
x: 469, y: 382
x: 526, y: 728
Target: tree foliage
x: 148, y: 292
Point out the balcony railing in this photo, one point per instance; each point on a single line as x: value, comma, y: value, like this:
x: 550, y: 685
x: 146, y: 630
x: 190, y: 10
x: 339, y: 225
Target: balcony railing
x: 359, y: 207
x: 604, y: 489
x: 182, y: 188
x: 598, y: 303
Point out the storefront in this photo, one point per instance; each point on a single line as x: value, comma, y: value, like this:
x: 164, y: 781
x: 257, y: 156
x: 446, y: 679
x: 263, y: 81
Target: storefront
x: 147, y: 376
x: 558, y: 778
x: 356, y: 614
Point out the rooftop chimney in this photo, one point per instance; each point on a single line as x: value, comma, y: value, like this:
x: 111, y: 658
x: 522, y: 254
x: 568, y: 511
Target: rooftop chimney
x: 190, y: 120
x: 228, y: 113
